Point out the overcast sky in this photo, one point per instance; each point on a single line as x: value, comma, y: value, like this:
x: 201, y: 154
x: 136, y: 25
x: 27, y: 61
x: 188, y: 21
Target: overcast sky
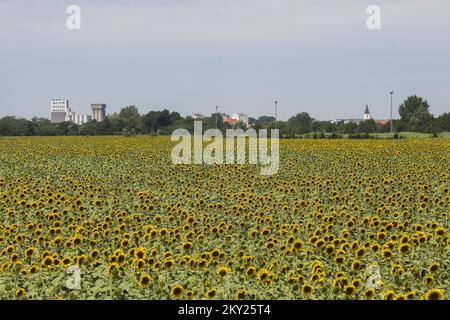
x: 316, y: 56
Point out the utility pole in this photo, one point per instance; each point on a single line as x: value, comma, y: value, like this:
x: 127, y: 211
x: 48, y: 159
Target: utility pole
x: 391, y: 127
x: 276, y: 111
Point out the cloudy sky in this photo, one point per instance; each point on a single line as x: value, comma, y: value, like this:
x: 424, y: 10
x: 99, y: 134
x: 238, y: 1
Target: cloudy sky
x: 316, y: 56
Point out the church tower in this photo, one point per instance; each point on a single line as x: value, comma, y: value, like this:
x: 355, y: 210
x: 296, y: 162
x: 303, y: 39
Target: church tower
x: 367, y: 115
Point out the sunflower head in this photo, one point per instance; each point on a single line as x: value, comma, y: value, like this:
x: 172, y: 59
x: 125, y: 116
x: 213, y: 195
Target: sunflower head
x: 356, y: 265
x: 187, y: 246
x: 47, y: 262
x: 210, y: 294
x: 263, y: 274
x: 145, y: 280
x: 389, y: 295
x: 240, y: 295
x: 349, y: 290
x: 369, y: 294
x: 20, y: 293
x: 223, y: 271
x: 177, y: 291
x: 434, y: 294
x: 404, y: 248
x: 307, y: 289
x: 250, y: 271
x: 434, y: 267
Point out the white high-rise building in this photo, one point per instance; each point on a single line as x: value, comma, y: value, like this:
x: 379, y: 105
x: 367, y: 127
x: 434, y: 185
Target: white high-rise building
x: 59, y: 109
x: 60, y: 112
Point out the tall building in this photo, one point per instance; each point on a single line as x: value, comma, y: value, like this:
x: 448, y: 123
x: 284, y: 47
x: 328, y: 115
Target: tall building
x: 60, y: 110
x: 367, y: 115
x: 98, y: 111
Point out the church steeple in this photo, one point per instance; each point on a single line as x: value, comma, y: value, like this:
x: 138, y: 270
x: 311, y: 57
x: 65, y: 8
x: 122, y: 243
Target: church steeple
x: 367, y: 115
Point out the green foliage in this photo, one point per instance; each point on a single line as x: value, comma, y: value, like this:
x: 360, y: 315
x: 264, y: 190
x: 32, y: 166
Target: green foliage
x: 442, y: 123
x: 367, y: 126
x: 414, y: 112
x: 300, y: 123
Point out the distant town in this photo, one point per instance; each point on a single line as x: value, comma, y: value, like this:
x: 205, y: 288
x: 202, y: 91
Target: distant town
x: 61, y: 112
x: 414, y: 112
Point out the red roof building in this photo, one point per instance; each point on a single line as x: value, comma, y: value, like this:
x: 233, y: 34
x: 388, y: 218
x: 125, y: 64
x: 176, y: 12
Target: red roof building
x: 231, y: 121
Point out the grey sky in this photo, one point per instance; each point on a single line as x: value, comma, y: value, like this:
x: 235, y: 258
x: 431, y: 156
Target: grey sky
x: 191, y: 55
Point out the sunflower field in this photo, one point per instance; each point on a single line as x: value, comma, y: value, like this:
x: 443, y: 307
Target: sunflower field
x: 113, y: 218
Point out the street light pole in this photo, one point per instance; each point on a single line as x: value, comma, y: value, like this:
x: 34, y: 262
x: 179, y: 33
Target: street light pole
x: 276, y: 111
x: 217, y: 107
x: 391, y: 127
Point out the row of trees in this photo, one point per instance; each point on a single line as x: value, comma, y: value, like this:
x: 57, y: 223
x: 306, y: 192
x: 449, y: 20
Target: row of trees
x: 414, y: 116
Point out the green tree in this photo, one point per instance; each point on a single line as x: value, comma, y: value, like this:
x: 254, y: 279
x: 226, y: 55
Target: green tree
x: 130, y: 117
x: 349, y: 127
x: 155, y: 120
x: 116, y: 123
x: 300, y: 123
x: 105, y: 126
x: 414, y: 112
x: 151, y: 121
x: 443, y: 122
x: 174, y: 117
x: 264, y: 121
x: 164, y: 118
x: 12, y: 126
x: 212, y: 121
x: 367, y: 126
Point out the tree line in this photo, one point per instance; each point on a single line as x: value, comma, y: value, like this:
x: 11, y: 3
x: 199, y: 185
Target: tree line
x: 414, y: 114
